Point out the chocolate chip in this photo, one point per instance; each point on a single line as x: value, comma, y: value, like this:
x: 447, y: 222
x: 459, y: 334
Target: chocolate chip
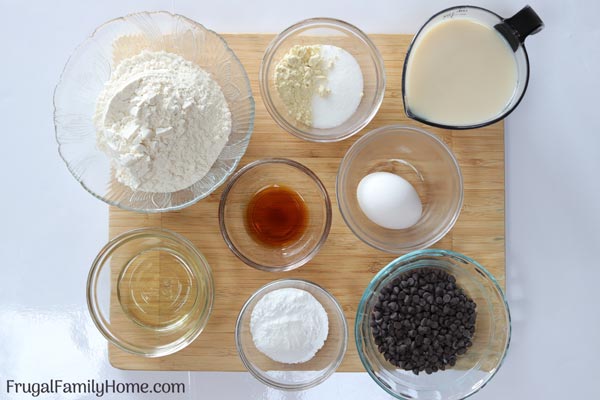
x: 423, y: 320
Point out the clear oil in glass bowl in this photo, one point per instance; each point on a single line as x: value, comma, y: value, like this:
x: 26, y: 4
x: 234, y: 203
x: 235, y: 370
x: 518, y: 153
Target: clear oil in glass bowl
x: 150, y: 292
x: 157, y: 289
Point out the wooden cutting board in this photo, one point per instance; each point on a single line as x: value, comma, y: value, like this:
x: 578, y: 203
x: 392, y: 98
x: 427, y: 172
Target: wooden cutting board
x: 345, y: 265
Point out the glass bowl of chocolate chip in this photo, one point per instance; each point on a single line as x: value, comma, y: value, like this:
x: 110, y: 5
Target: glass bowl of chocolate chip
x: 432, y: 324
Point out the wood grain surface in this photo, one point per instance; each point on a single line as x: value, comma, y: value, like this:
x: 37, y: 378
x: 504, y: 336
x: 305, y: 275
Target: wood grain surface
x: 345, y: 265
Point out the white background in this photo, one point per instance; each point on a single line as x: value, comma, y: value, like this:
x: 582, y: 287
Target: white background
x: 52, y: 228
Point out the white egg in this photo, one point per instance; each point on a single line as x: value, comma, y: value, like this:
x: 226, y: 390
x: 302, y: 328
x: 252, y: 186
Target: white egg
x: 389, y: 200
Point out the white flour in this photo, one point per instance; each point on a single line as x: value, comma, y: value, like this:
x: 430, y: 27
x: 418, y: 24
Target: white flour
x: 289, y: 325
x: 162, y: 120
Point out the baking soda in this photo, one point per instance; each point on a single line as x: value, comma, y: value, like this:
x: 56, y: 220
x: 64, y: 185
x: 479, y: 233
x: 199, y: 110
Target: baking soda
x: 289, y: 325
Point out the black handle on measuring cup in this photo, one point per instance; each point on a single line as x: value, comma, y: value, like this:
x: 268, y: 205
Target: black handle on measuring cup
x: 516, y: 28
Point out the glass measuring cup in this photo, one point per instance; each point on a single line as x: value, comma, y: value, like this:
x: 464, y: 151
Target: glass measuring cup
x: 514, y: 30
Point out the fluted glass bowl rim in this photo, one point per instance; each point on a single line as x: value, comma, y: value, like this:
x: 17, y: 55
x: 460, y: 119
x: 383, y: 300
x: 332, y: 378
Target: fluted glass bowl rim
x: 291, y: 283
x: 327, y: 205
x: 99, y: 264
x: 349, y: 158
x: 218, y: 183
x: 267, y: 60
x: 405, y: 259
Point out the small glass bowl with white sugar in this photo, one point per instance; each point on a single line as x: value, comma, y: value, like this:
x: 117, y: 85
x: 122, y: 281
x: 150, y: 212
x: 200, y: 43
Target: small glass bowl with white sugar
x: 399, y: 189
x: 277, y: 322
x: 342, y: 89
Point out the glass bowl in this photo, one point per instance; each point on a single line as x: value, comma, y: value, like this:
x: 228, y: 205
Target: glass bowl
x: 420, y: 158
x: 150, y: 292
x: 90, y: 67
x: 332, y: 32
x: 473, y: 369
x: 238, y: 233
x: 293, y: 376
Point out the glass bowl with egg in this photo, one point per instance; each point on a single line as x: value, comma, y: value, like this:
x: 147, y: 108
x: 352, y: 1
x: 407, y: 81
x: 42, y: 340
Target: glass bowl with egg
x: 322, y: 79
x: 399, y: 188
x: 276, y: 363
x: 111, y: 141
x: 458, y: 376
x: 275, y: 214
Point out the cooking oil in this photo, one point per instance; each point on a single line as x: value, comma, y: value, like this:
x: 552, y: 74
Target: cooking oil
x: 157, y: 290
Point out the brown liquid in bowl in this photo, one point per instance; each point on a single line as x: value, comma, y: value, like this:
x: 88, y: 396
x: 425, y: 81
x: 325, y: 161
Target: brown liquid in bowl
x: 276, y: 216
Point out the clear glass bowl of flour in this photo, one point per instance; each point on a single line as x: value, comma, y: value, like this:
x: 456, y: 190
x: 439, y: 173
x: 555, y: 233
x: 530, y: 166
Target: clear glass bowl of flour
x: 297, y: 376
x: 332, y: 117
x: 91, y: 66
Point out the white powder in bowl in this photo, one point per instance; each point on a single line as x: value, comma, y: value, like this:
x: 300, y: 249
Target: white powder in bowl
x: 162, y: 121
x: 320, y: 85
x: 289, y: 325
x: 344, y: 89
